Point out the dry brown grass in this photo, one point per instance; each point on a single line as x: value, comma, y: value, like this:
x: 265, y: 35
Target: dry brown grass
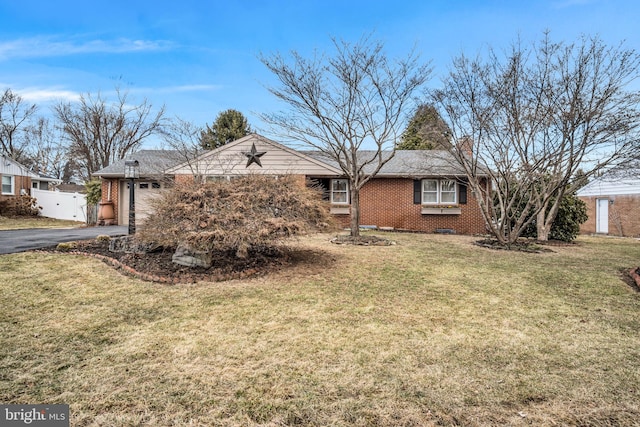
x: 432, y: 331
x: 18, y: 223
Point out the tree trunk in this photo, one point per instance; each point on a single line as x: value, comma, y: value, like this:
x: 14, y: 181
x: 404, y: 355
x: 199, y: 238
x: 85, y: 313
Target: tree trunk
x: 355, y: 211
x: 543, y: 228
x: 546, y: 217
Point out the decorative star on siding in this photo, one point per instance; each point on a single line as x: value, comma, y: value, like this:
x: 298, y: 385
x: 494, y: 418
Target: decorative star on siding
x: 253, y: 156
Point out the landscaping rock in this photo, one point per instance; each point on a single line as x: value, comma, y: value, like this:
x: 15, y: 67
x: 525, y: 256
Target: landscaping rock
x: 130, y: 245
x: 191, y: 258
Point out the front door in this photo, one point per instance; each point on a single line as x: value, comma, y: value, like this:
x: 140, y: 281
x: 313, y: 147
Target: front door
x: 602, y: 216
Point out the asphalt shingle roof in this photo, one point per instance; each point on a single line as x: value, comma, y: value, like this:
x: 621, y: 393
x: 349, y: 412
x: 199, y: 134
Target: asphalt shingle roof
x: 405, y: 163
x: 152, y: 163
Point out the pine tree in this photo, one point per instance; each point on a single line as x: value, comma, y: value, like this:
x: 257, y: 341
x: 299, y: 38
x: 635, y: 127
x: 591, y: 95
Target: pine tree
x: 426, y: 131
x: 229, y: 126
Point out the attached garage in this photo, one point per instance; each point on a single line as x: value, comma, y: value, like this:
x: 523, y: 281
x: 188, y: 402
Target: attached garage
x: 151, y: 182
x: 145, y: 191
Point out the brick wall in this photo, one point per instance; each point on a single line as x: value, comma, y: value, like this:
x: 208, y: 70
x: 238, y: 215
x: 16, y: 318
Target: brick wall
x: 19, y: 182
x: 624, y: 215
x: 183, y: 179
x: 388, y: 202
x: 115, y: 192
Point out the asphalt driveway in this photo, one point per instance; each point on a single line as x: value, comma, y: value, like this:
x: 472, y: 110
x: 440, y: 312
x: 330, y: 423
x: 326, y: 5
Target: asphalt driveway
x: 36, y: 238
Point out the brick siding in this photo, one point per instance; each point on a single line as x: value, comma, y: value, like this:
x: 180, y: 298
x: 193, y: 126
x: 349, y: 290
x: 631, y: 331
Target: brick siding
x: 115, y: 191
x: 388, y: 202
x: 624, y: 215
x: 384, y: 202
x: 183, y: 179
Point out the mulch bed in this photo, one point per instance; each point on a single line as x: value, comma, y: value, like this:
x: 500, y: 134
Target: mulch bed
x: 157, y: 266
x: 531, y: 246
x: 634, y: 273
x: 364, y: 240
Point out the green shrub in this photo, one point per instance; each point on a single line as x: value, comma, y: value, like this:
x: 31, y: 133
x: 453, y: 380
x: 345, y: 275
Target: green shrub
x: 66, y: 246
x: 94, y: 191
x: 571, y: 213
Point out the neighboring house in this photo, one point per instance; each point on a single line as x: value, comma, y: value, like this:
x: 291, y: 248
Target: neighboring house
x: 417, y: 190
x: 18, y: 179
x: 613, y: 203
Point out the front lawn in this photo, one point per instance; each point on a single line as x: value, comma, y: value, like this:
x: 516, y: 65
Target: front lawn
x: 431, y: 331
x: 18, y: 223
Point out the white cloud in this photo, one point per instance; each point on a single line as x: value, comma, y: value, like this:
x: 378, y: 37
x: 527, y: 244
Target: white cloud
x: 50, y: 46
x: 55, y: 93
x: 38, y: 95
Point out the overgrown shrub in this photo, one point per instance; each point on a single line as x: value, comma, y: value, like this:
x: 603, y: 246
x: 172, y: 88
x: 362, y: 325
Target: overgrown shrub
x: 23, y: 205
x: 247, y: 212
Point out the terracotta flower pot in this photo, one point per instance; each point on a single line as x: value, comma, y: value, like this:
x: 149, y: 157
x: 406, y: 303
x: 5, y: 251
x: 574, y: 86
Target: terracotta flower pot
x: 106, y: 212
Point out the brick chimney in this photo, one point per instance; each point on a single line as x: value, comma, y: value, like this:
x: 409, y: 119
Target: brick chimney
x: 465, y: 145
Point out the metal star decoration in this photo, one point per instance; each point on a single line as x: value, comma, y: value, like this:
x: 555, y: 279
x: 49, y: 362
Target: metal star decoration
x: 253, y: 156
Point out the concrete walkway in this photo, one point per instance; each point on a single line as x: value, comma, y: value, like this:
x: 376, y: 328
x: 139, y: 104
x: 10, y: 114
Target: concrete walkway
x: 12, y: 241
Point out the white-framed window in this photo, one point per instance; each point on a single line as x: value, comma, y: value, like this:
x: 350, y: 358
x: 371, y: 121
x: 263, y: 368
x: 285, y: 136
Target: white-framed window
x: 439, y: 192
x: 340, y: 191
x: 8, y: 184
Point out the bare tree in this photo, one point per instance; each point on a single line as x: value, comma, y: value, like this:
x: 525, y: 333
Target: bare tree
x: 14, y: 118
x: 342, y: 104
x: 99, y: 133
x: 533, y: 119
x: 184, y: 138
x: 46, y: 152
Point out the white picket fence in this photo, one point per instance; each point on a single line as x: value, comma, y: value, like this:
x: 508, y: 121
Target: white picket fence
x: 60, y: 205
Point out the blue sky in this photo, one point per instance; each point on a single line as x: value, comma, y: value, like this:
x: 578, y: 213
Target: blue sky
x: 199, y: 58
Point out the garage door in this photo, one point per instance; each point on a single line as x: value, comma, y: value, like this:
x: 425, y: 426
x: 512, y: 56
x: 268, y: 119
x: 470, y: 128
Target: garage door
x: 145, y: 191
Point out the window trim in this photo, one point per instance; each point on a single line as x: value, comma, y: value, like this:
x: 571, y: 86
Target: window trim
x: 438, y: 192
x: 12, y: 184
x: 455, y: 191
x: 345, y: 192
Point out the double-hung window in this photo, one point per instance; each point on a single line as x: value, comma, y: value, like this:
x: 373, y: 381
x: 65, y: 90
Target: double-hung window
x: 7, y: 184
x: 339, y: 191
x: 439, y: 192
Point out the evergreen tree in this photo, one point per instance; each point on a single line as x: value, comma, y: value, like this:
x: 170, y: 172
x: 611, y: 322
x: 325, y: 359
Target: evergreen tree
x: 229, y: 126
x: 426, y: 131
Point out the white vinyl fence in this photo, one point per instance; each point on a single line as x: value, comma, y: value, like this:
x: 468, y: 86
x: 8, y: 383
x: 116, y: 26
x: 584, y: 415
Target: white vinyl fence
x: 60, y: 205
